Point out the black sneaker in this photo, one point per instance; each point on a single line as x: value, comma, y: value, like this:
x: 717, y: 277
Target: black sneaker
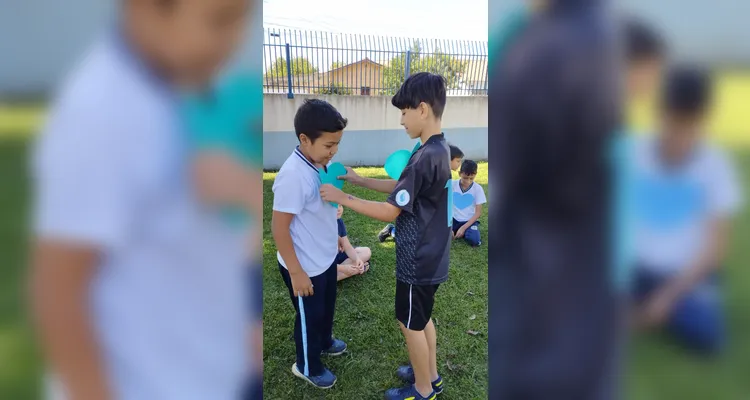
x: 385, y: 233
x: 337, y: 348
x: 406, y: 374
x: 326, y: 380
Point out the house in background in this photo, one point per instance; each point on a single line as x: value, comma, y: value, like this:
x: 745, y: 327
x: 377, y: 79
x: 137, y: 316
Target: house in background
x: 362, y: 78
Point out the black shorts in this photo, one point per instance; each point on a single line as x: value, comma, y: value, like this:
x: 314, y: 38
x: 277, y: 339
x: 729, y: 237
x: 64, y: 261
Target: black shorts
x: 414, y: 304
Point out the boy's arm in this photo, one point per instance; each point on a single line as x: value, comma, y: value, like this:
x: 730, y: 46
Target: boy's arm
x: 348, y: 248
x: 378, y: 185
x: 289, y: 199
x: 60, y: 278
x: 401, y: 199
x: 474, y: 218
x: 374, y: 209
x: 280, y: 223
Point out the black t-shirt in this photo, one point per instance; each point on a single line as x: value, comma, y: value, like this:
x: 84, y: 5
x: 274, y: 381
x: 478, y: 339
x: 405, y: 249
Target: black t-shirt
x: 423, y: 232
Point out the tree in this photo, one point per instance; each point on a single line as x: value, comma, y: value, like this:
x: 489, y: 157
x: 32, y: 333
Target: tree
x: 437, y: 63
x: 335, y: 88
x: 299, y: 66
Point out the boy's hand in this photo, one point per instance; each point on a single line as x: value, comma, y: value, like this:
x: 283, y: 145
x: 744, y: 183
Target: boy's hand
x: 657, y: 310
x: 351, y: 177
x: 359, y: 264
x: 331, y: 193
x: 301, y: 284
x: 460, y: 232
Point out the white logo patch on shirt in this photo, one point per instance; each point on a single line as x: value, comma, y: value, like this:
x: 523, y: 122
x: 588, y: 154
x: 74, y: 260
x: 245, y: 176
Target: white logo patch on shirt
x: 402, y: 197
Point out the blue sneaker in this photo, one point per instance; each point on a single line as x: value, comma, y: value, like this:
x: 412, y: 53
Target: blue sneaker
x: 337, y: 348
x: 406, y: 374
x: 407, y: 393
x: 326, y: 380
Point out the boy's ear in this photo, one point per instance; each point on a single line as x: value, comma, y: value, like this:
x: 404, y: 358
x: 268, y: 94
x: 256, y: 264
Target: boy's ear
x: 424, y: 109
x: 304, y: 138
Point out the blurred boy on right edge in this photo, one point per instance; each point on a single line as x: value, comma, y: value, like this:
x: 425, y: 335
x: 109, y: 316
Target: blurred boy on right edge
x: 686, y: 195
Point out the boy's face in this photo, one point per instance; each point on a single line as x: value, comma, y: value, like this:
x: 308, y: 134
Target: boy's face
x: 413, y: 119
x: 340, y: 211
x: 643, y: 78
x: 680, y: 134
x: 455, y: 164
x: 467, y: 179
x: 323, y: 149
x: 193, y: 37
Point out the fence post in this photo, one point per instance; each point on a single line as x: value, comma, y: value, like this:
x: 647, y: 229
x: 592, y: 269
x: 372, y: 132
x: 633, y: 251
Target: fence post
x: 290, y: 93
x: 408, y: 62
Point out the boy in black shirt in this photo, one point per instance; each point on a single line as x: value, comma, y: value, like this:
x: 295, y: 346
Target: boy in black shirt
x: 419, y: 202
x: 457, y: 157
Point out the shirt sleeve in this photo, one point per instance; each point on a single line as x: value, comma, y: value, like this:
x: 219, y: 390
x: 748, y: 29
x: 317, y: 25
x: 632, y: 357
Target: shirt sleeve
x: 479, y: 197
x: 342, y: 228
x: 289, y: 193
x: 724, y: 195
x: 83, y: 190
x: 408, y: 187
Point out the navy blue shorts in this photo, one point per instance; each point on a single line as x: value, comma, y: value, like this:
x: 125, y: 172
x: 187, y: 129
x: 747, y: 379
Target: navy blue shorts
x: 341, y: 257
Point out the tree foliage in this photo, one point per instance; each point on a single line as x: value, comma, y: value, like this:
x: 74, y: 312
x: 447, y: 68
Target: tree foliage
x: 299, y: 66
x: 436, y: 62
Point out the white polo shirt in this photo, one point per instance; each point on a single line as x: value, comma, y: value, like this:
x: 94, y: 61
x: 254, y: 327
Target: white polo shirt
x: 314, y: 229
x: 674, y: 205
x: 465, y: 202
x: 111, y: 170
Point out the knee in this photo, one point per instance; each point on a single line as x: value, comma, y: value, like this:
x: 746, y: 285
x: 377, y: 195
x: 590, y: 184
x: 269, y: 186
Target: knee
x: 364, y: 253
x: 472, y: 236
x: 701, y: 329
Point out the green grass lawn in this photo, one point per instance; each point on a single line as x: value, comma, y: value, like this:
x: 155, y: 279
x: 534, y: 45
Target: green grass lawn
x: 365, y: 317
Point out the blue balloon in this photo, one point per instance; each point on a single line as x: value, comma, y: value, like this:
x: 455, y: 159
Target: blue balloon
x: 396, y: 162
x: 330, y: 176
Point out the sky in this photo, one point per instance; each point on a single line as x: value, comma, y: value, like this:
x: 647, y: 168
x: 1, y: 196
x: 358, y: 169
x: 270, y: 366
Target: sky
x: 438, y: 19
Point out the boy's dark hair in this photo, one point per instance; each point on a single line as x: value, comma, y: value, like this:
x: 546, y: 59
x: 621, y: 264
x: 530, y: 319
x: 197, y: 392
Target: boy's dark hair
x: 468, y: 167
x: 641, y: 42
x: 421, y: 87
x: 687, y: 90
x: 456, y: 152
x: 316, y: 116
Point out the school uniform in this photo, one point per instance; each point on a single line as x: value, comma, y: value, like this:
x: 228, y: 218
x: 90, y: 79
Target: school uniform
x: 314, y: 232
x: 673, y: 206
x: 464, y: 206
x: 424, y: 231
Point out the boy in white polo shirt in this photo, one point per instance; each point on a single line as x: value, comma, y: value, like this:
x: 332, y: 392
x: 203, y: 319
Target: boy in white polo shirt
x: 305, y: 230
x: 468, y: 198
x: 138, y: 287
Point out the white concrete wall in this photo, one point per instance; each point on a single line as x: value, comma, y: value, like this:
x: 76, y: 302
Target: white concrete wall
x: 374, y: 131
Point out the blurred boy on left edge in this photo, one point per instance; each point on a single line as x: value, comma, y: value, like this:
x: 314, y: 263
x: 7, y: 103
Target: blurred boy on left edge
x: 137, y: 289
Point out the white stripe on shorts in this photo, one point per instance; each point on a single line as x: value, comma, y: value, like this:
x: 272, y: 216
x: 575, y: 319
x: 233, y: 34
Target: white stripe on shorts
x: 408, y: 322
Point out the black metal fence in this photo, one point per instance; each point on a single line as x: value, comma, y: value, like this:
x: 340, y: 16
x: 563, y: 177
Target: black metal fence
x: 365, y: 65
